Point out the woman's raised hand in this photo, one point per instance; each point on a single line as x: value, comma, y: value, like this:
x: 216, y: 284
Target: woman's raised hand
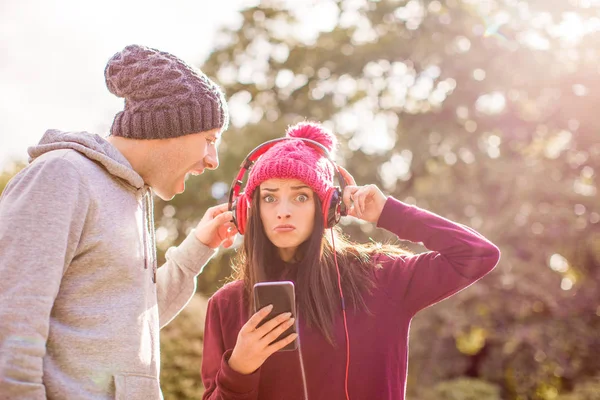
x: 363, y: 202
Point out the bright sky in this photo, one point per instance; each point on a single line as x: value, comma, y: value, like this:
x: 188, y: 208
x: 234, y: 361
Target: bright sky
x: 54, y: 53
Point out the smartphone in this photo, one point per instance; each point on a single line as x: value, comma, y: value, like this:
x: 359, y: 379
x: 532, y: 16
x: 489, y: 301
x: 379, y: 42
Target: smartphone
x: 282, y: 296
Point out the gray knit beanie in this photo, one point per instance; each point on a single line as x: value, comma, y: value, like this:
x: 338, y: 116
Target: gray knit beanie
x: 164, y: 97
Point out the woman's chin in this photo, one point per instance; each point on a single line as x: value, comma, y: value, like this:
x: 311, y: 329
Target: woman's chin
x: 286, y: 245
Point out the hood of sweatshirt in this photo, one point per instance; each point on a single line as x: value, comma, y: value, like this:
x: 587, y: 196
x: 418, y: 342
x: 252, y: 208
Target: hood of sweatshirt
x: 94, y: 147
x: 99, y: 150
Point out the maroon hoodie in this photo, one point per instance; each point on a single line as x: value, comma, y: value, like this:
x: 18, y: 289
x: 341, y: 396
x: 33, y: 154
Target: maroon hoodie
x: 406, y: 284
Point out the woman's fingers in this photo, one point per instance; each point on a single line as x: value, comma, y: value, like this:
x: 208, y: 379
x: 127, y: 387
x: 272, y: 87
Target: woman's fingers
x: 268, y: 326
x: 360, y: 198
x: 253, y: 322
x: 348, y: 195
x: 277, y: 331
x: 349, y: 179
x: 280, y: 344
x: 356, y: 199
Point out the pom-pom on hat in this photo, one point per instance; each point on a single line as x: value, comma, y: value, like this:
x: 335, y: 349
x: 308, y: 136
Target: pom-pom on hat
x: 296, y: 159
x: 164, y: 97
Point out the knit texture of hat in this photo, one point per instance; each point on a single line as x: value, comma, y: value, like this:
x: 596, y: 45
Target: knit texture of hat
x: 164, y: 97
x: 296, y: 159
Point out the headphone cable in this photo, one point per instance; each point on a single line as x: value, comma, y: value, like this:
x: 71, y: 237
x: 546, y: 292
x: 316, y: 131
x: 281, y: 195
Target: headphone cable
x: 343, y: 314
x: 302, y: 371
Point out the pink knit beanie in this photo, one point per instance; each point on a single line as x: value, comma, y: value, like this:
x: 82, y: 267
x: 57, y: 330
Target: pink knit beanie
x: 296, y: 159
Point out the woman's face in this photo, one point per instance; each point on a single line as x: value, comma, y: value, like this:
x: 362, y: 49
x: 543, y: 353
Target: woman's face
x: 287, y: 211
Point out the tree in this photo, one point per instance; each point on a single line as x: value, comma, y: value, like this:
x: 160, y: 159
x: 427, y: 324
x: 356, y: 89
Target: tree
x: 10, y: 170
x: 475, y: 110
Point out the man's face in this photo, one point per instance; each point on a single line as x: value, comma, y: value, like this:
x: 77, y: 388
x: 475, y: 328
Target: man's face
x: 181, y: 156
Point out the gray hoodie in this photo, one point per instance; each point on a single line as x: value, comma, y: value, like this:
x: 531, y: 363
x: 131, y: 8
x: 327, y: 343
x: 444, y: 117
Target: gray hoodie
x: 81, y: 301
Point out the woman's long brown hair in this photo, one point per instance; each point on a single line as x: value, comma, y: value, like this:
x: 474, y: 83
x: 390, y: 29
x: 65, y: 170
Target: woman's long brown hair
x: 317, y: 294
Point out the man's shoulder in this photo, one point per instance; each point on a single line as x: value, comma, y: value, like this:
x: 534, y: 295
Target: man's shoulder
x: 48, y: 180
x: 49, y: 169
x: 66, y: 156
x: 72, y: 165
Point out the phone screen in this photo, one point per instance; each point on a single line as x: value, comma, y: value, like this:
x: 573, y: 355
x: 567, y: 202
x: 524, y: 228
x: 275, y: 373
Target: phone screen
x: 282, y: 296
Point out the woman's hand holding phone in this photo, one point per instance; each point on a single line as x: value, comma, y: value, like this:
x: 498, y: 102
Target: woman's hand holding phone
x: 254, y: 345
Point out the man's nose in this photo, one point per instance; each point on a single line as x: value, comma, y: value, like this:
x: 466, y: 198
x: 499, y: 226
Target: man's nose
x: 211, y: 160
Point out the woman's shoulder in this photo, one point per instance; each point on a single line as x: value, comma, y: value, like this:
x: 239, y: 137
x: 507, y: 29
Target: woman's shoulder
x: 228, y: 309
x: 230, y: 291
x: 379, y: 259
x: 381, y: 255
x: 384, y: 263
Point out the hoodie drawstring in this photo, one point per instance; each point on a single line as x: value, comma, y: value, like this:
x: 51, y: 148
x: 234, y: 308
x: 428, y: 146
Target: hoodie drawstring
x: 149, y: 245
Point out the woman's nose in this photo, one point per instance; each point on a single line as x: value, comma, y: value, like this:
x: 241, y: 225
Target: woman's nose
x: 283, y: 211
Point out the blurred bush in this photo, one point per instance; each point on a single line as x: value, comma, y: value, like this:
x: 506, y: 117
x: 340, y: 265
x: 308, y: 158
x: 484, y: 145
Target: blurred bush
x: 586, y: 390
x: 181, y: 352
x: 462, y: 389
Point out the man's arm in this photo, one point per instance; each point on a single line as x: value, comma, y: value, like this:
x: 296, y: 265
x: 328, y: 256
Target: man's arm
x: 176, y: 280
x: 42, y: 214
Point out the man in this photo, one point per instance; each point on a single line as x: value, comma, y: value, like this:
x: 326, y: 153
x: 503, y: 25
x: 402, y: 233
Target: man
x: 81, y: 299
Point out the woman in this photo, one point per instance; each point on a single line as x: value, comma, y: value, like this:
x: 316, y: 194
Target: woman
x: 354, y: 339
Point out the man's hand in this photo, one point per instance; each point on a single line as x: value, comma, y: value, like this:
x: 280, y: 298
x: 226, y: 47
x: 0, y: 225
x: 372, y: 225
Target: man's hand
x: 216, y: 227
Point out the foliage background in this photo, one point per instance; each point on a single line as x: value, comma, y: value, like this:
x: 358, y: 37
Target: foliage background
x: 482, y: 111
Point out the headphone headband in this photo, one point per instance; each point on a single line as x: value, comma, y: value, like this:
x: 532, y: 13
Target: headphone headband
x: 261, y: 149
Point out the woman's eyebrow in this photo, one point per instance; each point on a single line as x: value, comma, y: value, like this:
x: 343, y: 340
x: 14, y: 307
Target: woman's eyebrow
x: 291, y: 187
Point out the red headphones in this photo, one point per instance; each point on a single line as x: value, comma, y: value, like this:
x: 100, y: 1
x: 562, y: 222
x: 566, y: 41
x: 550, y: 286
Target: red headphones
x: 333, y: 206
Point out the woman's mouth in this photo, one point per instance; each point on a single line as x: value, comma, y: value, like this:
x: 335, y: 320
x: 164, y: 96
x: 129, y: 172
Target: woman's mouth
x: 284, y: 228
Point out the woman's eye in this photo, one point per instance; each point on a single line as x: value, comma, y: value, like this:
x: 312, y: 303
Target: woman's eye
x: 268, y: 199
x: 211, y: 141
x: 302, y: 198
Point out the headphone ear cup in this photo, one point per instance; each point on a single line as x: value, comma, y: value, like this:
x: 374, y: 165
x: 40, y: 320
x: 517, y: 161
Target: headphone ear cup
x: 241, y: 211
x: 331, y: 215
